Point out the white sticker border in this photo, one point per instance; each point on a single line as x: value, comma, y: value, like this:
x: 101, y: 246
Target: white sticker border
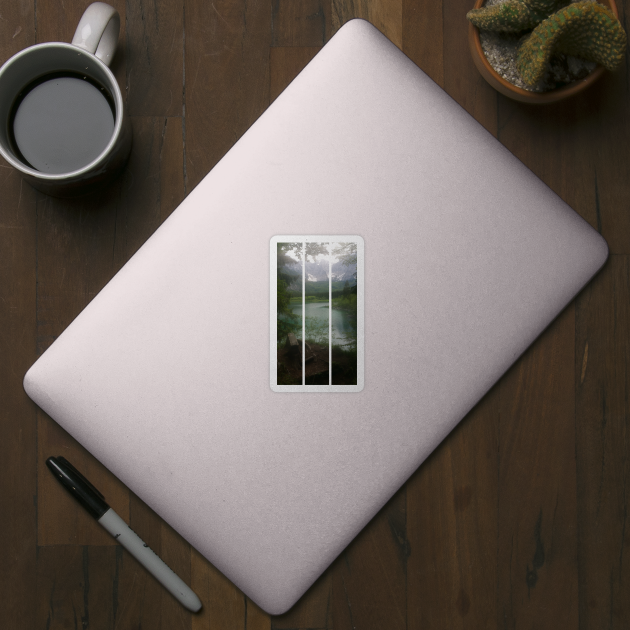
x: 273, y: 312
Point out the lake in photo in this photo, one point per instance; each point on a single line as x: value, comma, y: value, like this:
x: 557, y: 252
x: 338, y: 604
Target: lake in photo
x: 344, y: 325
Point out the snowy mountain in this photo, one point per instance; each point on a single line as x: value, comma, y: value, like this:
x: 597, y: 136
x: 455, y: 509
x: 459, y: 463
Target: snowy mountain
x: 318, y: 272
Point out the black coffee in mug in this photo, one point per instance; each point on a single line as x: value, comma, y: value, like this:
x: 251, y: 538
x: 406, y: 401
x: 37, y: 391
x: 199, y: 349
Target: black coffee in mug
x: 61, y: 122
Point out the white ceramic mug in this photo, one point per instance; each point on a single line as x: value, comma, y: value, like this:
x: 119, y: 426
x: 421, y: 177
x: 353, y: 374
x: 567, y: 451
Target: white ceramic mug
x: 88, y: 57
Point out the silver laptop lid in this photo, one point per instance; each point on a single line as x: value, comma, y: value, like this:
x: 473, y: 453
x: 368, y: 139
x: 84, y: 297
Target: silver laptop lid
x: 165, y: 376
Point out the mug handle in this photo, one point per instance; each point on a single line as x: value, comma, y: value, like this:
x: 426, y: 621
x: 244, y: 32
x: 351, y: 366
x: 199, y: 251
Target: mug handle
x: 98, y: 30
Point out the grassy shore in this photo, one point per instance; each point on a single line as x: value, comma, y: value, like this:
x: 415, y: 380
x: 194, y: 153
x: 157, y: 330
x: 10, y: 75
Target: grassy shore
x: 309, y: 299
x: 347, y: 304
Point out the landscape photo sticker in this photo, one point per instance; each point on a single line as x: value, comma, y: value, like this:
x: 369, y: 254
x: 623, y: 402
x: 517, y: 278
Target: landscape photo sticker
x: 316, y: 313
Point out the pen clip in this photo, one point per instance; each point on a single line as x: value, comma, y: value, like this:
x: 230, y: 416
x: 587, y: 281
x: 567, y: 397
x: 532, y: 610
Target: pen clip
x: 69, y: 466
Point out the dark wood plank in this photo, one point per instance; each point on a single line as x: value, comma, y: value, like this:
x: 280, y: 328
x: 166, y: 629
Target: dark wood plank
x: 76, y: 587
x: 608, y: 126
x: 171, y: 159
x: 369, y: 577
x: 226, y: 78
x: 300, y: 22
x: 18, y: 415
x: 154, y: 57
x: 74, y: 245
x: 452, y: 527
x: 18, y: 423
x: 17, y: 28
x: 603, y: 443
x: 422, y: 36
x: 152, y: 185
x: 386, y: 15
x: 58, y: 22
x: 461, y: 78
x: 537, y: 537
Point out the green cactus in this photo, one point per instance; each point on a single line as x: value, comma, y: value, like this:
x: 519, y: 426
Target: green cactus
x: 513, y: 16
x: 584, y: 29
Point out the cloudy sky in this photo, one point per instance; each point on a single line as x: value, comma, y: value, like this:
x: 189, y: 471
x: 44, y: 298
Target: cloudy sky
x: 320, y: 257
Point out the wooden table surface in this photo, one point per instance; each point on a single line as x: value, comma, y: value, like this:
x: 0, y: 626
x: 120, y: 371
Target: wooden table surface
x: 518, y: 520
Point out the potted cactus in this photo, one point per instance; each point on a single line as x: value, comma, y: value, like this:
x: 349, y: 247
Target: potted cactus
x: 558, y: 49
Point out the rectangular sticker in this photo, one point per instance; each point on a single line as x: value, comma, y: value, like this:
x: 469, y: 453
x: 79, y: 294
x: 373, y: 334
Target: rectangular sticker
x: 316, y: 313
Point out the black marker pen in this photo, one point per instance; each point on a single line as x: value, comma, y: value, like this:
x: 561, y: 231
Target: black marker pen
x: 94, y: 502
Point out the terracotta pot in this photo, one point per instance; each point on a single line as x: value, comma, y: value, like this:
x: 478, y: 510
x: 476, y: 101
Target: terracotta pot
x: 518, y: 94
